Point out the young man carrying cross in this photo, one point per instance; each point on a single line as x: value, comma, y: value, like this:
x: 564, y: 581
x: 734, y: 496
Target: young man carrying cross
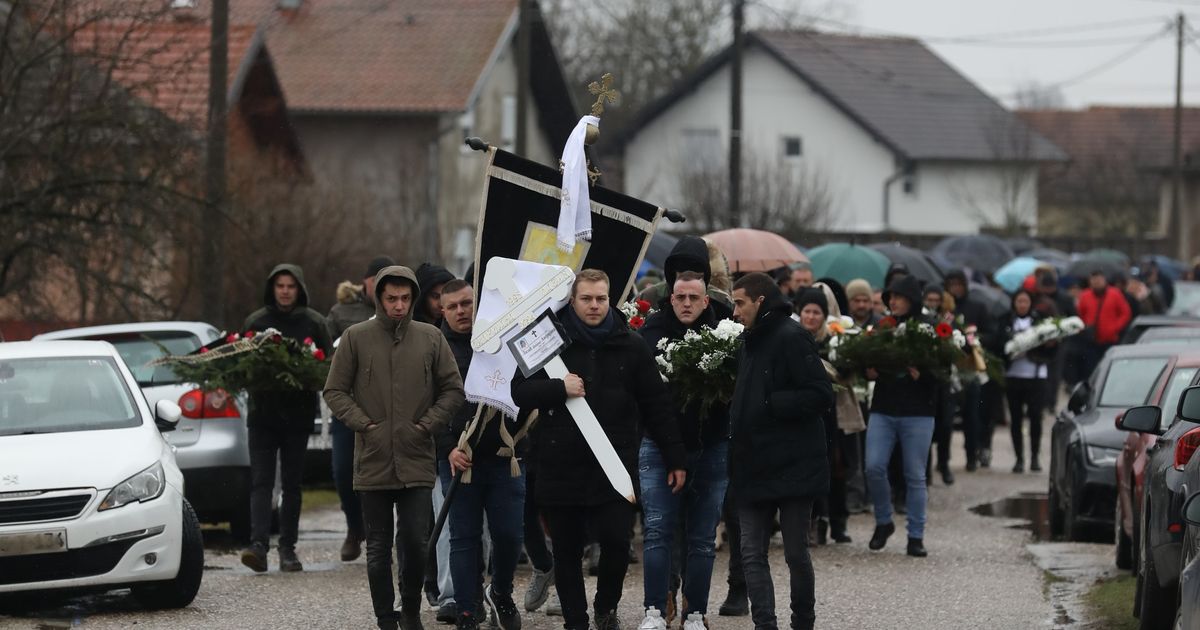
x: 613, y: 370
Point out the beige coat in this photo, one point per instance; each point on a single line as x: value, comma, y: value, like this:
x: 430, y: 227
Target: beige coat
x: 402, y: 377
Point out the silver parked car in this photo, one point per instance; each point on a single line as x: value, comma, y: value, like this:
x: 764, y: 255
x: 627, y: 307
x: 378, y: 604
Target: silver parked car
x: 210, y: 441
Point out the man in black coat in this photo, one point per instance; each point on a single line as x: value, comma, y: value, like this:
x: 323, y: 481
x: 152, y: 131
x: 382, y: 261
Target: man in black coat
x: 687, y: 521
x: 976, y: 428
x: 779, y: 461
x: 613, y: 370
x: 279, y: 423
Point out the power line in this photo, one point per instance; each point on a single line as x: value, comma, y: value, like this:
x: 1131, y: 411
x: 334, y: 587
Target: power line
x: 1107, y: 64
x: 999, y: 38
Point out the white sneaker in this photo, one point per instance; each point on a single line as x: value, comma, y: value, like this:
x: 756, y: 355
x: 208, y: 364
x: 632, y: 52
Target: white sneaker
x: 553, y: 606
x: 653, y: 621
x: 695, y: 621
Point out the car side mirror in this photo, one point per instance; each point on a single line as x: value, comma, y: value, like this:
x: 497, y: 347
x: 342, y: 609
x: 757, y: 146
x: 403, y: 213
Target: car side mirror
x: 1141, y: 420
x: 1189, y: 404
x: 166, y: 415
x: 1079, y: 397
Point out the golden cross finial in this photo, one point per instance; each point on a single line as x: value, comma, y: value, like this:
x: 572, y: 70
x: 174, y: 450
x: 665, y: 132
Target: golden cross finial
x: 603, y: 90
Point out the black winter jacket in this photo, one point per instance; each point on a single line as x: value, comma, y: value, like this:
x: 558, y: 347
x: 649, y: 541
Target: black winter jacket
x: 489, y: 442
x: 625, y: 391
x: 290, y: 411
x: 778, y: 409
x: 697, y: 431
x: 899, y: 395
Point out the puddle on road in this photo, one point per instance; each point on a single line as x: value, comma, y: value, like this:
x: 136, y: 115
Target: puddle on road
x: 1031, y: 507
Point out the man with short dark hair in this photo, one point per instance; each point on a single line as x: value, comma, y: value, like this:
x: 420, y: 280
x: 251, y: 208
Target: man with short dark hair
x: 280, y: 422
x: 698, y: 508
x: 492, y: 489
x: 613, y: 370
x: 428, y: 304
x: 395, y: 383
x: 354, y: 305
x: 779, y: 462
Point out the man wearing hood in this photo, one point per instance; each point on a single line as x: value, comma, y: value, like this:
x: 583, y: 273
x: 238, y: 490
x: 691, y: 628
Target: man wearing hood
x: 779, y: 461
x: 706, y: 438
x: 355, y: 304
x: 973, y: 313
x: 395, y: 383
x: 612, y: 368
x: 902, y: 410
x: 279, y: 423
x: 431, y: 278
x: 691, y: 253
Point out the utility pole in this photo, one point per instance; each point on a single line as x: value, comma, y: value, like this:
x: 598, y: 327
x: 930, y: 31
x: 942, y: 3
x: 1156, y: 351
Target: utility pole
x: 735, y: 116
x: 524, y: 25
x: 213, y: 224
x: 1178, y: 215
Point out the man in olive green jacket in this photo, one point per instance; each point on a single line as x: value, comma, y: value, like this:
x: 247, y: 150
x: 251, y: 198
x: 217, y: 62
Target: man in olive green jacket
x: 394, y: 382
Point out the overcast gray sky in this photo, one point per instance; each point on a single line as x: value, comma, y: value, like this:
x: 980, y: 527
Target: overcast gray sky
x: 1077, y: 37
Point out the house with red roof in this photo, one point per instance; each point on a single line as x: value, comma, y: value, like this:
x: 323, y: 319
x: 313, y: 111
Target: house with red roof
x: 382, y: 95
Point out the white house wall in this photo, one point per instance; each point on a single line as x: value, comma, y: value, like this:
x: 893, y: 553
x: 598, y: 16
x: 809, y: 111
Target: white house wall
x: 776, y: 104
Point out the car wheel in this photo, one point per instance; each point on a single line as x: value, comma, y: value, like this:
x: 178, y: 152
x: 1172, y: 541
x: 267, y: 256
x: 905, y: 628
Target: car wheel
x: 1056, y: 512
x: 1156, y: 604
x: 180, y: 590
x: 1123, y: 549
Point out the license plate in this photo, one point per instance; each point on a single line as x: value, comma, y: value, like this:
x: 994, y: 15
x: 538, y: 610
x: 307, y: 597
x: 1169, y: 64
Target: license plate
x: 52, y: 541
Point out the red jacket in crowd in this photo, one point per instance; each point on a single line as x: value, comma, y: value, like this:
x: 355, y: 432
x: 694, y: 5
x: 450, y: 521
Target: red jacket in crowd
x: 1109, y: 315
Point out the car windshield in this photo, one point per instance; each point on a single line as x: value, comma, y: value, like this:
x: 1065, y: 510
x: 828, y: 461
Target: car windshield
x: 1148, y: 339
x: 1130, y: 381
x: 1187, y: 299
x: 54, y: 395
x: 1180, y: 380
x: 139, y: 349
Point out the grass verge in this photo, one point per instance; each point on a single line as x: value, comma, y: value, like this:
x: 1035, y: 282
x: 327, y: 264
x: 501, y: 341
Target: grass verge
x: 1111, y: 603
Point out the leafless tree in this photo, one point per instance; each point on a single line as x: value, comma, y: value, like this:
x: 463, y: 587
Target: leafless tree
x: 791, y: 199
x: 92, y: 179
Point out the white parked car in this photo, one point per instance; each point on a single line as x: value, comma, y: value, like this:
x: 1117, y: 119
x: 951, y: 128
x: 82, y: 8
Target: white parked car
x: 90, y: 494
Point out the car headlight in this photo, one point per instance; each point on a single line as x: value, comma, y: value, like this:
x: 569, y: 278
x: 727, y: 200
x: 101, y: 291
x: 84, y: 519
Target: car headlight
x: 143, y: 486
x: 1103, y: 454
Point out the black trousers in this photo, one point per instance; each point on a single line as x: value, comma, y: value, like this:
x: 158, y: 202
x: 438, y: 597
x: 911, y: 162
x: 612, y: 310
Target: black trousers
x: 535, y: 536
x: 1026, y: 399
x: 266, y: 446
x: 410, y: 509
x: 756, y: 520
x: 611, y: 524
x: 733, y: 529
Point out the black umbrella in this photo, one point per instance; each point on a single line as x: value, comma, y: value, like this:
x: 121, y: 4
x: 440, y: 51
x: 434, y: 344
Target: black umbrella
x: 981, y: 252
x: 995, y: 300
x: 917, y: 262
x: 1060, y: 259
x: 1083, y: 267
x: 1022, y: 244
x: 660, y: 247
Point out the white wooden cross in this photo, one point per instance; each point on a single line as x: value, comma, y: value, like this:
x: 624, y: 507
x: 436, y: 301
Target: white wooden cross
x: 490, y: 337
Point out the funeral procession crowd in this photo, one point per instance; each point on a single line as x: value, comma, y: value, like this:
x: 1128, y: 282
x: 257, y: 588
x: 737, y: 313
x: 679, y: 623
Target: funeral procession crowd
x: 798, y: 443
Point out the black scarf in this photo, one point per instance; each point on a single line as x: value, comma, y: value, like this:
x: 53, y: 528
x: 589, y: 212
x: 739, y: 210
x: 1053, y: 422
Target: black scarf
x: 589, y: 336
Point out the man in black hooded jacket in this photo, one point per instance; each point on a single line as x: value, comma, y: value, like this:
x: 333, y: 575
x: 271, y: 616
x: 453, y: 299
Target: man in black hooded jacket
x: 280, y: 422
x: 431, y: 277
x: 689, y: 254
x: 779, y: 462
x: 975, y: 422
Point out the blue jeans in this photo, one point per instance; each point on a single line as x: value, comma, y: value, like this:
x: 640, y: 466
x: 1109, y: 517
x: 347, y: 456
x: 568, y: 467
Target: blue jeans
x: 495, y: 491
x: 698, y: 505
x: 914, y: 435
x: 343, y: 476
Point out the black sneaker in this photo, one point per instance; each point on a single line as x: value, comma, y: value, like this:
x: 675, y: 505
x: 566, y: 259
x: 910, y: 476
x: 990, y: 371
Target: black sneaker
x: 448, y: 613
x: 255, y: 557
x: 879, y: 538
x: 916, y: 548
x: 288, y: 562
x: 985, y: 458
x: 466, y: 621
x: 608, y: 621
x: 1036, y: 466
x: 504, y: 609
x: 410, y: 618
x: 947, y: 476
x: 388, y: 623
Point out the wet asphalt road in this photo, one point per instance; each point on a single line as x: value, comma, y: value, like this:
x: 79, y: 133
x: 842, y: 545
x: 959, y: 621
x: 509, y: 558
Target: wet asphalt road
x: 982, y: 572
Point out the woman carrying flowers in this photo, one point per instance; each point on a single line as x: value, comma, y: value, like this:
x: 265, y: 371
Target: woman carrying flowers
x: 819, y: 315
x: 1026, y: 382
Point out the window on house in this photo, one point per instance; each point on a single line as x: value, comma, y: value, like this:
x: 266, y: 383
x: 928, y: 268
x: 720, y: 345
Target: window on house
x: 701, y: 151
x: 508, y: 122
x: 793, y: 147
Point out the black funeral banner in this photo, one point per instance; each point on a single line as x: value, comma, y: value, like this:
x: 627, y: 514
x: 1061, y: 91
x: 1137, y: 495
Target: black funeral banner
x: 519, y: 220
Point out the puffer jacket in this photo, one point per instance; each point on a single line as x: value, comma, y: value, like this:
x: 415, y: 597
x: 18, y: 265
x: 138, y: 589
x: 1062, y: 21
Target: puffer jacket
x: 353, y: 306
x: 401, y: 377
